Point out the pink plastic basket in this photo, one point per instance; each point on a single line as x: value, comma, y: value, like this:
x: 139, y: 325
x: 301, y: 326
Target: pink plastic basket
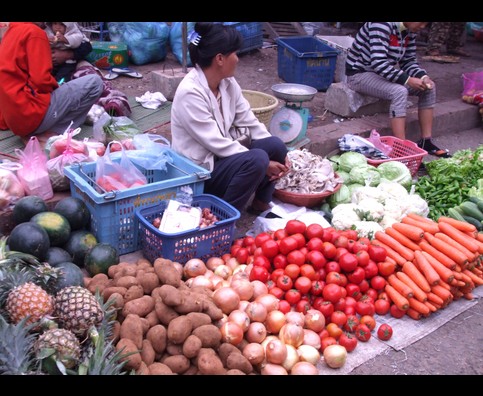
x: 403, y: 151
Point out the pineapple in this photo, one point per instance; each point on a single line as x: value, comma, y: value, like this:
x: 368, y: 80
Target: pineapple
x: 78, y: 310
x: 60, y: 344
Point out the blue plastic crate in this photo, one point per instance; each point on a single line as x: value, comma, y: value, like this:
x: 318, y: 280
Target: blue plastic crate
x: 252, y: 34
x: 113, y: 217
x: 306, y: 60
x: 202, y: 243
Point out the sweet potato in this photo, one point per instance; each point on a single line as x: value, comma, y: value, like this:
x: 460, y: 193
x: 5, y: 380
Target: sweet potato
x: 235, y: 372
x: 199, y: 318
x: 126, y: 281
x: 130, y: 353
x: 159, y: 369
x: 170, y: 295
x: 152, y: 318
x: 145, y: 324
x: 225, y: 350
x: 167, y: 272
x: 209, y: 363
x: 192, y: 370
x: 108, y: 291
x: 140, y: 306
x: 214, y: 312
x: 177, y: 363
x: 190, y: 302
x: 174, y: 349
x: 148, y: 353
x: 117, y: 300
x: 132, y: 329
x: 165, y: 314
x: 191, y: 346
x: 209, y: 335
x: 239, y: 362
x: 143, y: 369
x: 179, y: 329
x: 135, y: 291
x: 98, y: 283
x: 157, y: 335
x: 148, y: 280
x: 116, y: 331
x: 143, y: 263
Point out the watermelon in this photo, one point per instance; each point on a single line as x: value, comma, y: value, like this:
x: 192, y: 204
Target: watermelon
x: 31, y: 238
x: 71, y: 275
x: 100, y: 258
x: 75, y: 211
x: 79, y: 243
x: 27, y: 207
x: 56, y: 226
x: 56, y: 255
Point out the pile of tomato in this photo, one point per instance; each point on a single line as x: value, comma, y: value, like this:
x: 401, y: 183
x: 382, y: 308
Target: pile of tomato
x: 336, y: 272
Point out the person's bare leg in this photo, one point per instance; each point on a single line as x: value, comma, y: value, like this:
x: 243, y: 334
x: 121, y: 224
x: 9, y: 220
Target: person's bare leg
x: 398, y: 125
x: 425, y: 122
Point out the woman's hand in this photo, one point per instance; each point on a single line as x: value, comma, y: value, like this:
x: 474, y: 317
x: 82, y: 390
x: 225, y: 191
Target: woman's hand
x: 420, y: 84
x: 276, y: 170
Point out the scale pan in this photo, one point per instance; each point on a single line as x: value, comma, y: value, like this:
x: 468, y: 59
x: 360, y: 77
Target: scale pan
x: 294, y: 92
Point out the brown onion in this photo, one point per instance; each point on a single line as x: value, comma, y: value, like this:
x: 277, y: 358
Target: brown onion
x: 273, y: 369
x: 232, y: 263
x: 311, y: 338
x: 254, y: 352
x: 267, y: 340
x: 259, y: 288
x: 226, y: 299
x: 276, y: 352
x: 314, y: 320
x: 243, y: 305
x: 304, y: 368
x: 243, y: 287
x: 292, y: 334
x: 214, y: 262
x: 308, y: 353
x: 269, y: 300
x: 231, y: 333
x: 256, y: 332
x: 295, y: 317
x: 220, y: 322
x: 240, y: 271
x: 201, y: 281
x: 257, y: 312
x: 194, y: 267
x: 240, y: 318
x: 216, y: 280
x: 275, y: 320
x: 335, y: 355
x: 292, y: 357
x: 224, y: 271
x: 179, y: 267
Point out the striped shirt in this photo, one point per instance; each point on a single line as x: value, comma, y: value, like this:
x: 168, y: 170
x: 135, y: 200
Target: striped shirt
x: 381, y: 47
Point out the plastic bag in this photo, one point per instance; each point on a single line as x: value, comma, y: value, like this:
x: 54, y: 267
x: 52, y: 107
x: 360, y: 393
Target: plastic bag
x: 120, y: 128
x: 11, y: 189
x: 472, y: 83
x: 358, y: 144
x: 375, y: 139
x: 176, y: 40
x: 34, y: 175
x: 120, y: 175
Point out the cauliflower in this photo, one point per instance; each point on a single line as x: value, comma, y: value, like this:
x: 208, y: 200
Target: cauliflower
x: 393, y: 190
x: 344, y: 216
x: 416, y: 204
x: 367, y: 228
x: 387, y: 221
x: 370, y: 209
x: 395, y: 208
x: 368, y: 192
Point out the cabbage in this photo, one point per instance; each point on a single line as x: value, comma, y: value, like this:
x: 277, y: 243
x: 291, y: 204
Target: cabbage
x: 341, y: 196
x: 366, y: 175
x: 396, y: 171
x: 353, y: 186
x: 344, y: 176
x: 351, y: 159
x: 334, y: 161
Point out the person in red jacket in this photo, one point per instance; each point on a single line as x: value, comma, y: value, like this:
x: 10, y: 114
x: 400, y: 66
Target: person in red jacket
x: 31, y: 100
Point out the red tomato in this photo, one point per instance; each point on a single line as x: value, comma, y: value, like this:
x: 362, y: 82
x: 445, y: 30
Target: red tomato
x: 364, y: 286
x: 294, y: 226
x: 362, y: 258
x: 238, y: 242
x: 248, y: 241
x: 234, y: 249
x: 360, y: 245
x: 382, y: 306
x: 365, y: 308
x: 296, y: 257
x: 371, y: 270
x: 257, y: 252
x: 396, y: 312
x: 372, y: 294
x: 334, y: 330
x: 317, y: 287
x: 302, y: 306
x: 353, y: 291
x: 348, y: 262
x: 314, y: 231
x: 277, y: 274
x: 332, y: 266
x: 277, y: 292
x: 279, y: 234
x: 327, y: 236
x: 284, y: 282
x: 270, y: 248
x: 292, y: 270
x: 334, y: 277
x: 329, y: 250
x: 280, y: 261
x: 383, y: 296
x: 323, y: 334
x: 341, y: 241
x: 339, y: 318
x: 386, y: 268
x: 288, y: 244
x: 259, y: 273
x: 340, y: 251
x: 350, y: 234
x: 303, y: 284
x: 284, y: 306
x: 332, y: 292
x: 349, y: 310
x: 378, y: 282
x: 348, y: 341
x: 300, y: 238
x: 377, y: 253
x: 262, y: 261
x: 321, y: 274
x: 325, y: 307
x: 356, y: 276
x: 340, y: 305
x: 363, y: 333
x: 369, y: 321
x: 351, y: 323
x: 315, y: 243
x: 262, y: 237
x: 308, y: 271
x: 350, y: 245
x: 325, y: 342
x: 242, y: 255
x: 384, y: 332
x: 293, y: 296
x: 364, y: 240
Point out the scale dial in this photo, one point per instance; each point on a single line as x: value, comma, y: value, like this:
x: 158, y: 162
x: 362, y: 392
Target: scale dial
x: 287, y: 124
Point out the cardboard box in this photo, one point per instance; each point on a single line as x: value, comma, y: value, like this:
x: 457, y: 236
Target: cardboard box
x: 107, y: 54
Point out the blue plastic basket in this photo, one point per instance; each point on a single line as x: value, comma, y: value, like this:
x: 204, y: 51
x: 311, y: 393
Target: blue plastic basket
x: 202, y: 243
x: 113, y: 217
x: 306, y: 60
x: 252, y: 35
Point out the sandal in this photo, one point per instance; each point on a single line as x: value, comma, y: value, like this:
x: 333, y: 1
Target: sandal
x: 428, y: 145
x: 433, y: 52
x: 127, y: 72
x: 459, y: 52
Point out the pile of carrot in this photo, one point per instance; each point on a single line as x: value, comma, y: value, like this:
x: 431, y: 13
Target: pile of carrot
x: 437, y: 262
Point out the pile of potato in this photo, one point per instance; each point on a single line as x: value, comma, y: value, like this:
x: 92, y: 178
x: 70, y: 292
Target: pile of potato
x: 165, y: 326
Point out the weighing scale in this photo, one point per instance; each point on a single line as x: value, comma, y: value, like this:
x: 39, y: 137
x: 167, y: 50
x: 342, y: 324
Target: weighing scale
x: 290, y: 122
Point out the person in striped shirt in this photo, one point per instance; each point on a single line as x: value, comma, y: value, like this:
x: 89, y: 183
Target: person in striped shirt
x: 382, y: 63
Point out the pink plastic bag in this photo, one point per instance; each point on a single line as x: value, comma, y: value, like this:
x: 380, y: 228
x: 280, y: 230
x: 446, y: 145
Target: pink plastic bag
x: 34, y: 175
x: 472, y: 83
x: 375, y: 139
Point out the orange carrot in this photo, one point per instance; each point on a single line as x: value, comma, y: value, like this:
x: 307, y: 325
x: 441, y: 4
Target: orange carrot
x: 477, y: 272
x: 444, y: 273
x: 460, y: 237
x: 432, y: 307
x: 431, y: 228
x: 469, y: 296
x: 440, y: 256
x: 445, y: 285
x: 400, y: 260
x: 422, y: 219
x: 417, y: 291
x: 434, y: 298
x: 427, y: 269
x: 413, y: 232
x: 400, y: 286
x: 401, y: 238
x: 479, y: 236
x: 419, y: 306
x: 448, y: 250
x: 390, y: 260
x: 459, y: 224
x: 408, y: 254
x: 397, y: 298
x: 468, y: 280
x: 450, y: 241
x: 413, y: 314
x: 441, y: 292
x: 410, y: 270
